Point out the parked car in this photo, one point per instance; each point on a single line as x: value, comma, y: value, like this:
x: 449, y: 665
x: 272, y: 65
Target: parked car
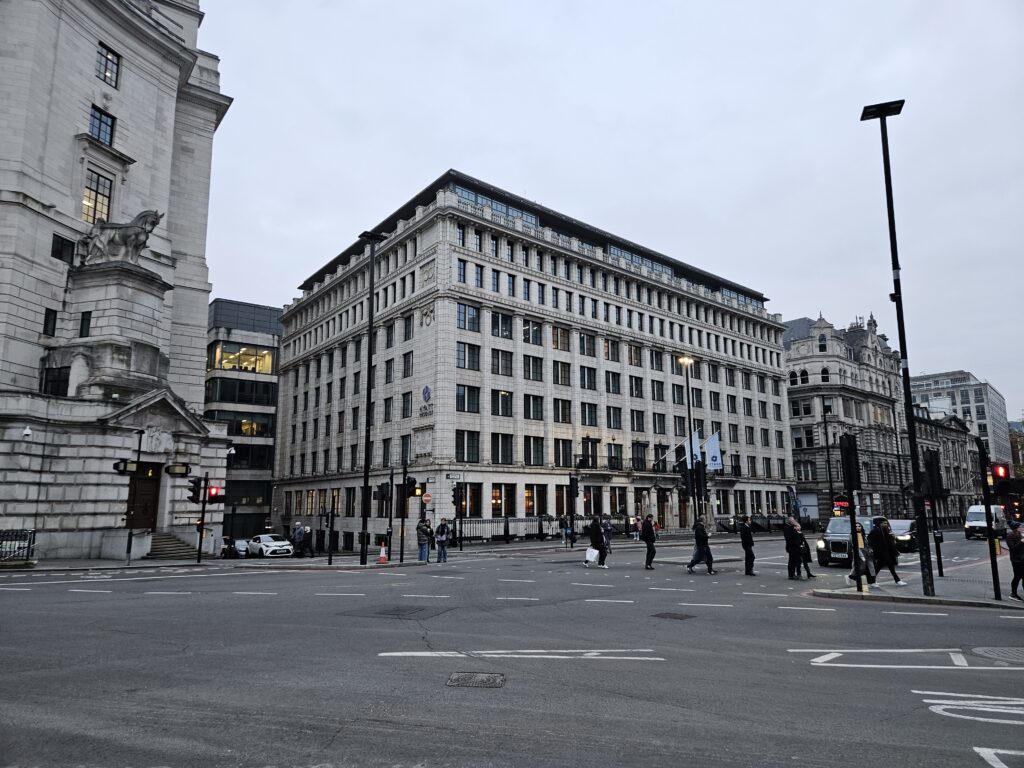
x: 270, y: 545
x: 232, y: 548
x: 974, y: 525
x: 905, y: 533
x: 834, y: 545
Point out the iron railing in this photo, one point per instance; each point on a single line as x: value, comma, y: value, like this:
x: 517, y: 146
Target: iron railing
x: 17, y: 544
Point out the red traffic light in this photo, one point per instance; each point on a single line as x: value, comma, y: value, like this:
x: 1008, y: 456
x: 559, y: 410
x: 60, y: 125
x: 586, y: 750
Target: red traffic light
x: 215, y: 494
x: 1000, y: 472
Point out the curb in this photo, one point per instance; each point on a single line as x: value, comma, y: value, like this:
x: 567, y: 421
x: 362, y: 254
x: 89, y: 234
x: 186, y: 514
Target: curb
x: 842, y: 594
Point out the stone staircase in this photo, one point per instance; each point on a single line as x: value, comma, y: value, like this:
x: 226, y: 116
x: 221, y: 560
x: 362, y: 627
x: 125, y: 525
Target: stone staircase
x: 167, y: 546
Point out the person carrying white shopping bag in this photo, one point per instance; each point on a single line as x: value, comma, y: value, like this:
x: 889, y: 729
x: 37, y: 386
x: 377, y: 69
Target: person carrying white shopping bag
x: 596, y: 544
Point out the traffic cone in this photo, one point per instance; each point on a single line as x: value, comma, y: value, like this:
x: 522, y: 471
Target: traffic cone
x: 383, y: 553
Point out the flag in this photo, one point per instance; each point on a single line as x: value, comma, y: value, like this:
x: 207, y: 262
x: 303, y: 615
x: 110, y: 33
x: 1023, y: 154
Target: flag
x: 694, y: 449
x: 713, y: 449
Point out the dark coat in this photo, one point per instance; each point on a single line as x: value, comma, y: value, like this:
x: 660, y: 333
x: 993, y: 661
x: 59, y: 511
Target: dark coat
x: 647, y: 532
x: 1015, y: 543
x: 792, y: 536
x: 746, y: 535
x: 424, y: 532
x: 700, y: 535
x: 596, y: 536
x: 883, y: 546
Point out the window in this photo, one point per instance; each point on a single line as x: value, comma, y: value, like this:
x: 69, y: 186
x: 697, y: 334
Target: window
x: 563, y: 453
x: 460, y: 274
x: 588, y: 414
x: 635, y: 355
x: 748, y: 406
x: 712, y: 373
x: 697, y: 397
x: 467, y: 317
x: 730, y: 403
x: 389, y: 374
x: 588, y: 377
x: 478, y: 275
x: 96, y: 198
x: 734, y: 433
x: 657, y: 359
x: 636, y: 386
x: 101, y: 126
x: 560, y: 338
x: 613, y: 417
x: 501, y: 362
x: 407, y: 365
x: 823, y: 347
x: 533, y: 407
x: 406, y: 405
x: 730, y: 377
x: 50, y: 322
x: 658, y: 423
x: 748, y: 435
x: 765, y: 438
x: 467, y: 356
x: 406, y: 334
x: 658, y: 392
x: 533, y: 368
x: 467, y: 399
x: 612, y: 383
x: 85, y: 324
x: 588, y: 345
x: 611, y: 350
x: 56, y: 381
x: 636, y: 420
x: 532, y: 332
x: 824, y: 375
x: 63, y: 249
x: 108, y: 65
x: 563, y: 411
x: 501, y: 402
x: 561, y: 373
x: 501, y: 325
x: 467, y: 446
x: 501, y: 448
x: 533, y: 451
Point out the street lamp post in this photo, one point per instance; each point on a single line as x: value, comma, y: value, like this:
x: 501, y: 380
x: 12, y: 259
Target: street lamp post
x: 880, y: 112
x: 132, y: 490
x: 686, y: 361
x: 373, y: 238
x: 828, y: 459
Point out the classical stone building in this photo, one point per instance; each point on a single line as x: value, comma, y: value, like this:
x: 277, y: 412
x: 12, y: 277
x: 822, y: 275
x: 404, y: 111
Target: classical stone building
x: 241, y: 391
x: 109, y: 111
x: 976, y: 402
x: 514, y: 347
x: 960, y: 473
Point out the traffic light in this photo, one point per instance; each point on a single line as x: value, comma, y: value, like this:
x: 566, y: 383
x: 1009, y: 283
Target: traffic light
x: 195, y: 490
x: 215, y: 495
x: 455, y: 495
x: 410, y: 487
x: 700, y: 480
x: 574, y: 486
x: 1000, y: 479
x: 849, y: 458
x: 684, y: 481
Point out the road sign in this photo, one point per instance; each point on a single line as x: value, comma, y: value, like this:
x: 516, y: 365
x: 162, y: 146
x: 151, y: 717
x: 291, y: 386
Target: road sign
x: 427, y: 498
x: 453, y: 476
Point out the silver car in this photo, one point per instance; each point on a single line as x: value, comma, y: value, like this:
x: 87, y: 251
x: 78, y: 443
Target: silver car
x: 270, y: 545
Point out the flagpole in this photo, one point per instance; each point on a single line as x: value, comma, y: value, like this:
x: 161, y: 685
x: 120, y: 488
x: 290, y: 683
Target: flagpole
x: 687, y: 361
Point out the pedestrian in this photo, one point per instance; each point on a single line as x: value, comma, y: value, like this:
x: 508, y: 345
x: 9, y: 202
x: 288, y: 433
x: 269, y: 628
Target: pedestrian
x: 560, y: 523
x: 747, y: 542
x: 423, y: 535
x: 596, y: 533
x: 648, y: 536
x: 701, y: 549
x: 606, y: 531
x: 805, y: 553
x: 307, y: 540
x: 883, y: 548
x: 1015, y: 543
x: 791, y: 533
x: 867, y: 560
x: 298, y: 536
x: 441, y: 535
x: 638, y: 527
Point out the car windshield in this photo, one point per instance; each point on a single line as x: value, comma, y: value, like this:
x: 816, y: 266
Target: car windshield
x: 842, y: 524
x: 900, y: 526
x: 975, y: 517
x: 275, y: 537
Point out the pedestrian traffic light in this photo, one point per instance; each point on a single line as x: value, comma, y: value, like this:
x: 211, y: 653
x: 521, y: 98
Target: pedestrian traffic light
x: 411, y: 487
x: 195, y: 490
x: 700, y: 480
x: 684, y: 481
x: 455, y: 495
x: 1000, y: 479
x: 850, y: 461
x: 574, y: 487
x: 215, y: 494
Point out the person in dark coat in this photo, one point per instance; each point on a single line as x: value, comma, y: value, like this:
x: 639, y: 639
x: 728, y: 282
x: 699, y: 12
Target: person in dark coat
x: 747, y: 542
x: 596, y: 533
x: 883, y: 548
x: 701, y: 549
x: 1015, y: 543
x: 424, y: 533
x: 648, y: 536
x: 792, y: 535
x: 805, y: 553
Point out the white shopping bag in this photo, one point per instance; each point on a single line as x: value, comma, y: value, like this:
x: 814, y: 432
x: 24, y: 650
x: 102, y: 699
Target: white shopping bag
x: 592, y: 554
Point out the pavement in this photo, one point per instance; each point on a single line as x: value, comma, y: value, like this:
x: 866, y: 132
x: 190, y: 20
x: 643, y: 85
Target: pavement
x: 964, y: 584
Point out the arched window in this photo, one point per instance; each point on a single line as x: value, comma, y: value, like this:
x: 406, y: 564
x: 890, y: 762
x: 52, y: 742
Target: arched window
x: 804, y: 378
x: 822, y: 343
x: 824, y: 375
x: 792, y: 378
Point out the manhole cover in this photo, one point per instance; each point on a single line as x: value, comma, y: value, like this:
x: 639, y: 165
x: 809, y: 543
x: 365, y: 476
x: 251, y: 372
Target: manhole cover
x: 1011, y: 655
x: 476, y: 680
x: 679, y: 616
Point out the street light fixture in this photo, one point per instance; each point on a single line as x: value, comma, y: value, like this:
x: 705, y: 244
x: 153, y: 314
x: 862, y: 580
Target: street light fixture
x: 880, y: 112
x: 373, y: 238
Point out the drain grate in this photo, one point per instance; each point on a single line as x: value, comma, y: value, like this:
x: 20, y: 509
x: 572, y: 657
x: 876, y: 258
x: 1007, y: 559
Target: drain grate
x: 1011, y: 655
x: 678, y: 616
x: 476, y: 680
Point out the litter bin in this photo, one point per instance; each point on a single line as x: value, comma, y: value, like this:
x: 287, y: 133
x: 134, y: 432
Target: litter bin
x: 348, y: 540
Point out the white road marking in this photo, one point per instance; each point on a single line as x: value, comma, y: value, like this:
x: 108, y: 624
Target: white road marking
x: 16, y: 589
x: 990, y: 756
x: 915, y: 613
x: 767, y: 594
x: 1011, y: 617
x: 524, y: 581
x: 579, y: 584
x: 446, y: 577
x: 167, y: 593
x: 672, y: 589
x: 531, y: 654
x: 800, y: 608
x: 873, y: 650
x: 709, y: 605
x: 105, y: 591
x: 438, y: 596
x: 958, y: 659
x: 517, y: 598
x: 254, y: 593
x: 232, y: 572
x: 951, y: 703
x: 950, y: 653
x: 825, y: 658
x: 339, y: 594
x: 598, y: 600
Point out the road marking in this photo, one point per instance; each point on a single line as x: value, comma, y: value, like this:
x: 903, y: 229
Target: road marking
x: 990, y: 756
x: 339, y: 594
x: 438, y: 596
x: 254, y: 593
x: 532, y: 654
x: 672, y: 589
x: 914, y: 613
x: 767, y: 594
x: 958, y: 659
x: 16, y: 589
x: 446, y: 577
x: 1011, y: 617
x: 523, y: 581
x: 517, y: 598
x: 167, y: 593
x: 598, y: 600
x: 231, y: 572
x: 950, y: 703
x: 800, y: 608
x: 709, y: 605
x: 580, y: 584
x: 827, y: 657
x: 104, y: 591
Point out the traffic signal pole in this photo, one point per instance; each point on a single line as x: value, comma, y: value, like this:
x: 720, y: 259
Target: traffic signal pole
x: 989, y: 531
x: 202, y: 517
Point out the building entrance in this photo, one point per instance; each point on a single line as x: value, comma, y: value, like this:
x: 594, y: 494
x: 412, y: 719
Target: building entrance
x: 144, y: 496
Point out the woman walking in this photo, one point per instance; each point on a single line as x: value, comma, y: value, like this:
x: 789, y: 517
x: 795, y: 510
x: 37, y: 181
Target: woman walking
x: 883, y: 547
x: 596, y: 534
x: 701, y: 548
x: 805, y: 553
x: 648, y: 536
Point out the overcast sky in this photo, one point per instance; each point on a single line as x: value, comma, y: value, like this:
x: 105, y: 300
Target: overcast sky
x: 722, y: 134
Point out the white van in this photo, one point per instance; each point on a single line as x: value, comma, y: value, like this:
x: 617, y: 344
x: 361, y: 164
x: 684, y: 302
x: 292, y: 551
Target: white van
x: 974, y: 524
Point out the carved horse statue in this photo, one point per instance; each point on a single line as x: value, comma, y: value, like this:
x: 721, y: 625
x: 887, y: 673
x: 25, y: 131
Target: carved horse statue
x: 113, y: 242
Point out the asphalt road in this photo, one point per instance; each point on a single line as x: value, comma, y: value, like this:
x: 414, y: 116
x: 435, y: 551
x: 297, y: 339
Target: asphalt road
x: 272, y: 666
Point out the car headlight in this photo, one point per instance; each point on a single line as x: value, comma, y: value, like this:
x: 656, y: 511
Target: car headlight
x: 905, y: 537
x: 821, y: 544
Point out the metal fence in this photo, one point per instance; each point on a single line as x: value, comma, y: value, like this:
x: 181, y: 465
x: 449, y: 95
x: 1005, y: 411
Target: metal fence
x: 512, y: 527
x: 17, y: 545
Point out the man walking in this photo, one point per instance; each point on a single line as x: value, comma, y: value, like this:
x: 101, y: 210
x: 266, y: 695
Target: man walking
x: 648, y: 536
x: 747, y: 542
x: 701, y: 549
x: 792, y: 536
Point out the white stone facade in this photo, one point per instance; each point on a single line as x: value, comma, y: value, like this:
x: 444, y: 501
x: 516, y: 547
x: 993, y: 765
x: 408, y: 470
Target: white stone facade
x: 109, y: 110
x: 483, y: 296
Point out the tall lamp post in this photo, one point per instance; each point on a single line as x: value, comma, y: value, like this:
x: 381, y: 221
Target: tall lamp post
x: 373, y: 238
x: 686, y: 361
x: 880, y: 112
x: 828, y: 459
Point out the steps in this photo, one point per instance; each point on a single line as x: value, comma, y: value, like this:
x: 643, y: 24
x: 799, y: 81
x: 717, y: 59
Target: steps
x: 167, y: 546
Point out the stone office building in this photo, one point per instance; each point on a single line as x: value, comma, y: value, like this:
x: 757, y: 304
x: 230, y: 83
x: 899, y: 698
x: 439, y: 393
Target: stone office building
x: 976, y: 402
x: 109, y: 111
x: 515, y: 346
